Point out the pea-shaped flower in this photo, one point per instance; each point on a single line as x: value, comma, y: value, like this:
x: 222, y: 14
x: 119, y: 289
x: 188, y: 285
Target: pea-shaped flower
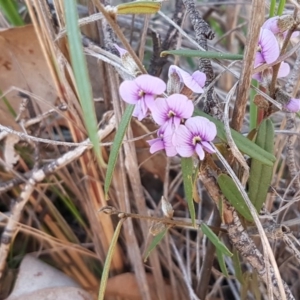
x: 293, y: 105
x: 169, y: 112
x: 195, y: 136
x: 141, y: 91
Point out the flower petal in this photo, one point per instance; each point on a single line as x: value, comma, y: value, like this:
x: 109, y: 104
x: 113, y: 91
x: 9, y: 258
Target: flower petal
x: 150, y: 84
x: 200, y: 151
x: 272, y: 25
x: 182, y: 139
x: 180, y: 105
x: 293, y: 105
x: 207, y: 147
x: 203, y: 127
x: 269, y: 46
x: 199, y: 77
x: 129, y: 91
x: 169, y: 147
x: 156, y: 145
x: 284, y: 70
x: 160, y: 111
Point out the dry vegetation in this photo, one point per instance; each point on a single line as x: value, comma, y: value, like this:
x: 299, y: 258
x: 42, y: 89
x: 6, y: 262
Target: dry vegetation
x: 55, y: 216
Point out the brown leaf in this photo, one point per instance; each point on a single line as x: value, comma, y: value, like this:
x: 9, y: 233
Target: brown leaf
x: 22, y: 65
x: 125, y: 286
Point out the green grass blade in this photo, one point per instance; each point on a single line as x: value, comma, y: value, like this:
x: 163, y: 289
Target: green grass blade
x: 187, y: 168
x: 261, y: 175
x: 156, y: 240
x: 222, y: 263
x: 281, y: 7
x: 215, y: 240
x: 253, y: 107
x: 237, y: 266
x: 203, y: 54
x: 138, y: 7
x: 108, y: 260
x: 245, y: 145
x: 233, y: 195
x: 116, y: 147
x: 9, y: 8
x: 272, y: 8
x: 81, y: 75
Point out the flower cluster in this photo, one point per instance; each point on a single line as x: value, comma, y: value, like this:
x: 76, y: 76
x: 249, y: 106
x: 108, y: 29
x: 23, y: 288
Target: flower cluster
x: 179, y: 132
x: 271, y: 35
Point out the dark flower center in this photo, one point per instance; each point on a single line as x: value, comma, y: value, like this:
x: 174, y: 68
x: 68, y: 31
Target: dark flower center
x: 171, y: 114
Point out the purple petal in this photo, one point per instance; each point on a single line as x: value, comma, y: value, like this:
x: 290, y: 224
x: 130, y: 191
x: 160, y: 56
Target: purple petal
x: 129, y: 91
x: 272, y: 25
x: 149, y: 101
x: 160, y: 111
x: 156, y: 145
x: 199, y: 77
x: 284, y: 70
x: 269, y: 46
x: 207, y: 147
x: 139, y: 112
x: 120, y: 50
x: 181, y: 105
x: 293, y: 105
x: 169, y: 147
x: 257, y: 76
x: 182, y: 141
x: 203, y: 127
x: 200, y: 152
x: 259, y: 60
x: 150, y: 84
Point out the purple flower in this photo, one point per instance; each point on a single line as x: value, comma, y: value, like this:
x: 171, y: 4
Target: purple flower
x: 141, y: 91
x: 284, y: 71
x: 169, y: 112
x: 268, y: 48
x: 194, y: 82
x: 293, y: 105
x: 195, y: 136
x: 280, y: 25
x: 163, y: 142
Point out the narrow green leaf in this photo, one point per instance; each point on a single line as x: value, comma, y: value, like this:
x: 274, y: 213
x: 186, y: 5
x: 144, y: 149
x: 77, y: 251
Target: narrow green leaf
x: 116, y: 147
x: 237, y: 266
x: 244, y: 144
x: 156, y: 240
x: 272, y: 8
x: 222, y: 263
x: 215, y: 240
x: 81, y: 75
x: 261, y: 175
x: 9, y: 8
x: 281, y: 7
x: 139, y: 7
x: 253, y: 107
x: 109, y: 257
x: 203, y: 54
x: 233, y: 195
x: 187, y: 168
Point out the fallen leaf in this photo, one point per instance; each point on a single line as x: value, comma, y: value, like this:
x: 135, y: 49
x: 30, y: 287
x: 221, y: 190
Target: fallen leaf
x: 22, y: 65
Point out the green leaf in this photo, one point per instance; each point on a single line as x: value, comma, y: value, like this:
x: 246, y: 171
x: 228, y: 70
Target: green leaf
x: 139, y: 7
x: 203, y: 54
x: 116, y: 147
x: 281, y: 7
x: 237, y: 266
x: 261, y: 175
x: 108, y: 260
x: 233, y: 195
x: 156, y: 240
x: 244, y: 144
x: 272, y: 8
x: 187, y: 168
x: 9, y: 8
x: 215, y: 240
x: 221, y: 261
x: 81, y: 75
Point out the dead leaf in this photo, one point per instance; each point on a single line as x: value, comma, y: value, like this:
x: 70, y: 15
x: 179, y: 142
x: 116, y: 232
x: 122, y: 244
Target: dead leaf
x: 22, y: 65
x: 125, y: 286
